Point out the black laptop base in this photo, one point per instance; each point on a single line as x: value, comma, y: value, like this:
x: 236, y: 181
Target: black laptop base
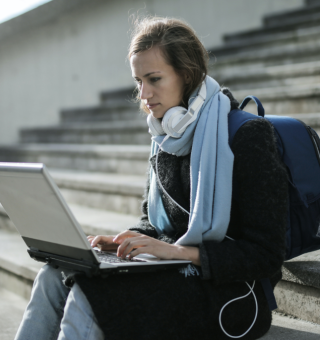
x: 57, y: 261
x: 91, y: 269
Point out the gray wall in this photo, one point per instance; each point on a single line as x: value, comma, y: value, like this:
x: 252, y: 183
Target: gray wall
x: 68, y: 60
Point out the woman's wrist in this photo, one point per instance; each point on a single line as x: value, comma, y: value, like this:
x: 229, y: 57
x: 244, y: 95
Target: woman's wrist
x: 187, y: 253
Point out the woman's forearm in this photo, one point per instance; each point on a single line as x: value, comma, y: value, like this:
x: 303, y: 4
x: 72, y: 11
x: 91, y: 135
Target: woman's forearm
x: 187, y: 253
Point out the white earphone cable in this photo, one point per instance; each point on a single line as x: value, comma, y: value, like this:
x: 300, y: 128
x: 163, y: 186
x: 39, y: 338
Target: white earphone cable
x: 163, y: 189
x: 241, y: 297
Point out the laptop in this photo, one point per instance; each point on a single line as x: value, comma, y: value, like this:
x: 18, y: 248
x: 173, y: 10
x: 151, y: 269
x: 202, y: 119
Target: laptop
x: 46, y: 224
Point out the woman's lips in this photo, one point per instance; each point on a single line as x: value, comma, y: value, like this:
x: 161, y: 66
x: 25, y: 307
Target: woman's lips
x: 151, y: 106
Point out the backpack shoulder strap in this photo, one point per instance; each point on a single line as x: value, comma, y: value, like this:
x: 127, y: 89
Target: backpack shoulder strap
x: 236, y: 119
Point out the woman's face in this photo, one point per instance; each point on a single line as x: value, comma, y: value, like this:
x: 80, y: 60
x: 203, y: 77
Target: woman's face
x: 160, y: 86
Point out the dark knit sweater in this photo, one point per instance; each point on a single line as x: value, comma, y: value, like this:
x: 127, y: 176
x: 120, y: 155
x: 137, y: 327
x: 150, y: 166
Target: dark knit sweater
x: 168, y: 305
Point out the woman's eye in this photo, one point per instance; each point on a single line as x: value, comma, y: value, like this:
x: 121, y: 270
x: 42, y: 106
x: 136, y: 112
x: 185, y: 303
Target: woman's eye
x: 153, y: 80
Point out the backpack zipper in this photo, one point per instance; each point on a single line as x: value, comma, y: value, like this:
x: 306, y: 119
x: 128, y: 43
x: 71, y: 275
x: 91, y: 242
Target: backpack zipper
x: 314, y: 138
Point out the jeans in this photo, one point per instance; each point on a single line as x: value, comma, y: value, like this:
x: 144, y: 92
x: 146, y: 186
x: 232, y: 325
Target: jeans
x: 57, y: 312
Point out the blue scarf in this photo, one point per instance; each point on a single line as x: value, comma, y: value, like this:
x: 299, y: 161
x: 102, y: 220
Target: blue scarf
x: 211, y: 167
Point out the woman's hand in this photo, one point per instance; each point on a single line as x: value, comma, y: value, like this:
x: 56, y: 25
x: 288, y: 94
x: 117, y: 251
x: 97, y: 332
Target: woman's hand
x: 140, y: 243
x: 106, y: 243
x: 103, y: 242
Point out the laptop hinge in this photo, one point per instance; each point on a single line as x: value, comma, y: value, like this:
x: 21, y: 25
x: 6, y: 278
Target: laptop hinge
x: 64, y: 262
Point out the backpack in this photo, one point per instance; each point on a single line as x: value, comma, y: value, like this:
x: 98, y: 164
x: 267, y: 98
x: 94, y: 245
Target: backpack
x: 299, y: 149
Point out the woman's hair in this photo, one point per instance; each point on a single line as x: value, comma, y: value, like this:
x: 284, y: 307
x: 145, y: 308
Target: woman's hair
x: 179, y: 45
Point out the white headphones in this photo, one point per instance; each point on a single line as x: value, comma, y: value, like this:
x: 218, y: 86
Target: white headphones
x: 177, y: 119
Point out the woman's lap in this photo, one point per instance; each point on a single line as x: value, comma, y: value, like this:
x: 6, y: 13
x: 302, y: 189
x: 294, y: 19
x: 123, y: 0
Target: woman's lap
x: 166, y: 304
x: 144, y: 305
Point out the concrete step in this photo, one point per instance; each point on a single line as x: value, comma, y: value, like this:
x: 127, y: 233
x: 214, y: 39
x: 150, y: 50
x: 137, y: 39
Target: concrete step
x: 122, y: 111
x: 311, y: 2
x: 117, y: 96
x: 296, y: 16
x: 117, y: 132
x: 279, y: 23
x: 264, y: 39
x: 12, y: 307
x: 18, y: 270
x: 269, y: 76
x: 122, y: 159
x: 300, y: 37
x: 285, y: 327
x: 112, y: 192
x: 298, y: 293
x: 304, y: 47
x: 281, y: 100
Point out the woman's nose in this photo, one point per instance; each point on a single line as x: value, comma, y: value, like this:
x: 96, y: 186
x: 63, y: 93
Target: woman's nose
x: 145, y: 92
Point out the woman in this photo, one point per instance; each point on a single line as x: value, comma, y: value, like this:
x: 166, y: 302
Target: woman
x: 169, y: 64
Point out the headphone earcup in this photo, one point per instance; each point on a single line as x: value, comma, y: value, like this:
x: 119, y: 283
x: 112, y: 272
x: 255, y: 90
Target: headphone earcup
x: 171, y: 118
x: 155, y: 127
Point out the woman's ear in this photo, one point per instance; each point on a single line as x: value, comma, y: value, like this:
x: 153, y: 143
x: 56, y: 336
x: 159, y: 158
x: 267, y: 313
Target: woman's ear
x: 187, y: 78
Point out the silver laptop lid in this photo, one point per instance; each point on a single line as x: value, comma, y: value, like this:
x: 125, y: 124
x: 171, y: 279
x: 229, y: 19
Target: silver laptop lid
x: 36, y: 207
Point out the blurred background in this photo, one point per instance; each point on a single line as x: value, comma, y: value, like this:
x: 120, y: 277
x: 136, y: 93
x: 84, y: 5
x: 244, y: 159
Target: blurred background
x: 64, y: 54
x: 65, y: 101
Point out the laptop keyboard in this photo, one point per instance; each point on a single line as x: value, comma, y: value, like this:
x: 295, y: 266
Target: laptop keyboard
x: 113, y: 258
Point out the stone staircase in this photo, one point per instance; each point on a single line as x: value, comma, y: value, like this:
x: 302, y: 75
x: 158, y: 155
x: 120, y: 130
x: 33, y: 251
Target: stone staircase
x: 278, y: 63
x: 99, y: 156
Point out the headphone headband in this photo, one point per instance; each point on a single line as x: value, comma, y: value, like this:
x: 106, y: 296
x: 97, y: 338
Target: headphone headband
x: 177, y: 119
x: 193, y: 110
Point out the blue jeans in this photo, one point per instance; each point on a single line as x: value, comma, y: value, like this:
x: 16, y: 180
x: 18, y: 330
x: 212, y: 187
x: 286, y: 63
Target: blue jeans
x: 57, y: 312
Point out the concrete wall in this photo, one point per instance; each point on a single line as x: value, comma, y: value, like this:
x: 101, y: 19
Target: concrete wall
x: 69, y: 59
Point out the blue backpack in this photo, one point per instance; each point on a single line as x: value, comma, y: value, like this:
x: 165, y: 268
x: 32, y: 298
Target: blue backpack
x: 299, y: 149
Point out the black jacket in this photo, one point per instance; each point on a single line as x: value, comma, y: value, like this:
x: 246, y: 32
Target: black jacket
x: 168, y: 305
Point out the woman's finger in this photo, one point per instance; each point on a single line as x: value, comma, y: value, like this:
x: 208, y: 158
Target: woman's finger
x: 99, y: 240
x: 140, y: 250
x: 95, y: 240
x: 123, y: 246
x: 90, y: 238
x: 124, y: 235
x: 104, y: 242
x: 129, y: 244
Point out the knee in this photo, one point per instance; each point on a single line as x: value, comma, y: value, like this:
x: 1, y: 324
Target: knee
x: 48, y: 277
x: 79, y: 302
